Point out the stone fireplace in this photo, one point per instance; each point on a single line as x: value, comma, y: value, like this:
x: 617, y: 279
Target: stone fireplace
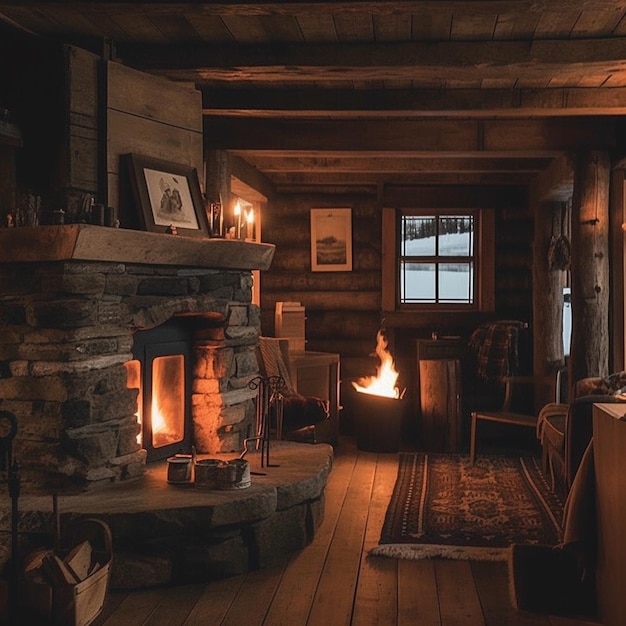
x: 74, y: 298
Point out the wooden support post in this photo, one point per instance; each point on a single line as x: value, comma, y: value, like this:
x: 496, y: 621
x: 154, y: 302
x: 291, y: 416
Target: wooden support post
x: 590, y: 266
x: 548, y: 354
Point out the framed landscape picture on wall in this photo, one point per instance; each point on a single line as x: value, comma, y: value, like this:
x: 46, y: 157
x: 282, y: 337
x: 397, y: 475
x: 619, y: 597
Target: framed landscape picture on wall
x: 168, y: 196
x: 331, y: 240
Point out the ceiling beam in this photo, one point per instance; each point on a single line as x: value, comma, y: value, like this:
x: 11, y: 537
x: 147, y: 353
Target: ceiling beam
x: 334, y: 164
x: 413, y: 61
x: 536, y: 137
x: 283, y: 181
x: 297, y: 7
x: 350, y: 103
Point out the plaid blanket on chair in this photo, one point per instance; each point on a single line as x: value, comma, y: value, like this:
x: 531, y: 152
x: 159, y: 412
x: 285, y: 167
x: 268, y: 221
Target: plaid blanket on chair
x: 495, y: 344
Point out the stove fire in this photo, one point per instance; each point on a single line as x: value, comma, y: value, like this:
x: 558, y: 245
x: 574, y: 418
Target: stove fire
x: 384, y: 383
x: 168, y: 401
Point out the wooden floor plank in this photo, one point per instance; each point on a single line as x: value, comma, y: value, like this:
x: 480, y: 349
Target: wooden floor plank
x: 175, y: 604
x: 492, y: 583
x: 458, y: 599
x: 135, y: 609
x: 376, y: 598
x: 333, y: 602
x: 213, y: 605
x: 292, y: 601
x: 418, y: 598
x: 255, y: 595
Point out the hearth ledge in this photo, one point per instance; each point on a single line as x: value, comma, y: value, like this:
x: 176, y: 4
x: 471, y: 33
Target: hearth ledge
x: 171, y: 534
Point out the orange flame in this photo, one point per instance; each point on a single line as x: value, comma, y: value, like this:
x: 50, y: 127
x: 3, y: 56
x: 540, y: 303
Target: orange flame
x: 384, y: 383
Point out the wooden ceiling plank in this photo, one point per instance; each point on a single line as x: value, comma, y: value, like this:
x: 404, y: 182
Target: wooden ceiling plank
x: 432, y: 26
x: 246, y: 29
x: 210, y: 28
x: 396, y: 27
x: 553, y: 23
x: 282, y: 28
x: 510, y: 25
x: 353, y: 28
x: 590, y: 23
x: 469, y: 26
x: 175, y: 28
x: 317, y: 27
x: 139, y: 27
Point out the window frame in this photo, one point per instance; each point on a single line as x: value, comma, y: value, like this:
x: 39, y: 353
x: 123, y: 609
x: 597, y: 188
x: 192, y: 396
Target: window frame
x: 484, y: 272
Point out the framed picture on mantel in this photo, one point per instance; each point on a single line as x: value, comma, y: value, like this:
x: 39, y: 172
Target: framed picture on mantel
x: 168, y: 196
x: 331, y: 240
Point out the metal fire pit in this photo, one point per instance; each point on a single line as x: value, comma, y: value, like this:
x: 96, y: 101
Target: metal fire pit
x: 378, y: 422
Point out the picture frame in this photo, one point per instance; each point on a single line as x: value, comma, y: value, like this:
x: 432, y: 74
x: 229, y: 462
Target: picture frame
x: 331, y: 240
x: 168, y: 196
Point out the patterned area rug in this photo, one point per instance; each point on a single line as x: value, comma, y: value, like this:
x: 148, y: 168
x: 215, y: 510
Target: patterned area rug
x: 442, y: 506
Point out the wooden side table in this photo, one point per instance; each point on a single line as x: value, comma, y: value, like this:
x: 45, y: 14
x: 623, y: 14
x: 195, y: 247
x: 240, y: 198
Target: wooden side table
x: 439, y: 398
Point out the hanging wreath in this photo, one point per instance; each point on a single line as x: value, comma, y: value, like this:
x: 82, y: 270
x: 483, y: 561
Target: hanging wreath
x: 559, y: 250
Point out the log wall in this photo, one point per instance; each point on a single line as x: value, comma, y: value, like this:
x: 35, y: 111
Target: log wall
x: 344, y: 309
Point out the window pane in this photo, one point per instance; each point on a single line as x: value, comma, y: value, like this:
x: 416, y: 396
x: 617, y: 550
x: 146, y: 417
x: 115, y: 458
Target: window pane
x: 418, y: 235
x: 417, y: 282
x: 456, y: 282
x: 456, y: 235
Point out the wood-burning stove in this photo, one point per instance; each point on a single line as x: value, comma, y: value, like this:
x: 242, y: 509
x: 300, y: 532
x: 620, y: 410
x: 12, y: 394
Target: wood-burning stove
x: 162, y: 372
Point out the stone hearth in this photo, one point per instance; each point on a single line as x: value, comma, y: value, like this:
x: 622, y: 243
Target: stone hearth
x: 169, y: 534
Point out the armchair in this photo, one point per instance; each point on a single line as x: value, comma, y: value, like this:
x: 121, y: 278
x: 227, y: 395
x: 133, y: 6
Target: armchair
x: 565, y: 429
x: 304, y: 418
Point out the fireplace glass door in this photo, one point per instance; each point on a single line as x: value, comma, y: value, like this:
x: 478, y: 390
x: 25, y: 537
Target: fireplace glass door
x: 161, y: 371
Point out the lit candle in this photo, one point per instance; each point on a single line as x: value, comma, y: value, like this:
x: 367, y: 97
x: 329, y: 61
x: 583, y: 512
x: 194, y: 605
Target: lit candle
x: 250, y: 224
x: 238, y: 216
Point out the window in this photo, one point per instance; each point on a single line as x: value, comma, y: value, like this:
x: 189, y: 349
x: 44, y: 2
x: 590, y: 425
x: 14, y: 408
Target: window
x: 437, y: 259
x: 442, y: 259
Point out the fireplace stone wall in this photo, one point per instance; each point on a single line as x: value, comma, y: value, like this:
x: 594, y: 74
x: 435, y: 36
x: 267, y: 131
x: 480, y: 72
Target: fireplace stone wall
x: 67, y: 330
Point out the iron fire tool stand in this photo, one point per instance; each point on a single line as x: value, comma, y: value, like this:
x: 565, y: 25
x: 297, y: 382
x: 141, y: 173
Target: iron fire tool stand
x: 269, y: 410
x: 8, y: 430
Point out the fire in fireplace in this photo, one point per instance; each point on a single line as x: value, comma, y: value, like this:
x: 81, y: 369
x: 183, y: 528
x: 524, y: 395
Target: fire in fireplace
x: 379, y: 406
x: 384, y: 383
x: 161, y: 373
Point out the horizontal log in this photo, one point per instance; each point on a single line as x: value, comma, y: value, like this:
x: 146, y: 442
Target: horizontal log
x: 321, y: 281
x: 328, y: 301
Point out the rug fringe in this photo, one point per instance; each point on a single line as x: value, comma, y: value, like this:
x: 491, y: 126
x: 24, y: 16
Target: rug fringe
x: 433, y: 551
